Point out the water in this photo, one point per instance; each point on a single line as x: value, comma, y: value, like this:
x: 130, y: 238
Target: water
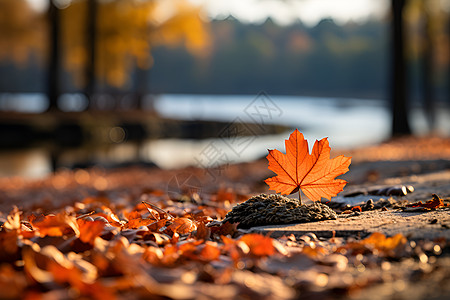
x: 346, y: 122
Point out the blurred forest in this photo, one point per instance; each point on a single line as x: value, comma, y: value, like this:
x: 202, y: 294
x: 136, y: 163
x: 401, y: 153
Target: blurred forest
x: 187, y: 55
x: 325, y: 60
x: 103, y: 41
x: 107, y: 56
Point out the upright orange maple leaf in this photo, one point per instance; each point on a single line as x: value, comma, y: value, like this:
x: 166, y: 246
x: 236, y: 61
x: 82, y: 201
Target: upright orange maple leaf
x: 313, y: 173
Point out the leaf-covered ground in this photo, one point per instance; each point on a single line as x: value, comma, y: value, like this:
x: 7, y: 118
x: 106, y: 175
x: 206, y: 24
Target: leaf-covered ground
x: 149, y: 233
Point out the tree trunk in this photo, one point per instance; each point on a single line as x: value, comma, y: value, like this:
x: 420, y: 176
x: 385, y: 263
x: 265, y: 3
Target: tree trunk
x: 448, y: 64
x: 400, y: 124
x: 53, y: 77
x: 427, y: 71
x: 91, y: 38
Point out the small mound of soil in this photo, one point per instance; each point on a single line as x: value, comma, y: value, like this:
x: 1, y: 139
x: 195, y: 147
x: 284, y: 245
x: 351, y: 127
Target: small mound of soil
x: 273, y: 209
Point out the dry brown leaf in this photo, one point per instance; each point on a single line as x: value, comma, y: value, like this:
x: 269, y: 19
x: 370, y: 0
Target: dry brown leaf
x: 182, y: 226
x: 434, y: 203
x: 203, y: 232
x: 378, y: 242
x: 56, y: 225
x: 156, y: 226
x: 136, y: 223
x: 9, y: 250
x: 259, y: 245
x: 89, y: 230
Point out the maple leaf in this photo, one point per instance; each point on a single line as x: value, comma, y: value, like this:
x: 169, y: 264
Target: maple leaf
x: 313, y: 173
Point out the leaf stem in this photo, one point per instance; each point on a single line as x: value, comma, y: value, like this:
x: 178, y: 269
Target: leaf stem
x: 300, y: 197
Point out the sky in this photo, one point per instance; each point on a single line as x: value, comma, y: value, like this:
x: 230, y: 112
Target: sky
x: 309, y: 12
x: 283, y: 11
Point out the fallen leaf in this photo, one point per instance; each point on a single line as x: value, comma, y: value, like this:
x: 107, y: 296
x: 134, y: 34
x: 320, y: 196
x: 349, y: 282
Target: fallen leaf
x: 258, y: 244
x: 209, y: 252
x: 203, y: 232
x: 356, y: 208
x: 171, y: 255
x: 431, y: 204
x: 136, y: 223
x: 13, y: 220
x: 314, y: 251
x: 55, y: 225
x: 162, y: 214
x: 182, y: 226
x: 89, y: 230
x: 382, y: 242
x: 231, y: 248
x: 313, y: 173
x: 8, y: 245
x: 225, y: 195
x: 12, y: 283
x: 158, y: 238
x: 225, y: 229
x: 134, y: 215
x: 71, y: 269
x: 115, y: 221
x: 153, y: 255
x: 156, y: 226
x: 377, y: 241
x: 203, y: 252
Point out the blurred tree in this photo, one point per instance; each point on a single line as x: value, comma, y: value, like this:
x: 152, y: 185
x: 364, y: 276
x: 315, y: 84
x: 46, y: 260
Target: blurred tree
x: 125, y: 31
x: 91, y: 37
x: 400, y: 124
x: 348, y: 61
x: 102, y: 40
x: 428, y: 51
x: 54, y: 68
x: 22, y: 31
x: 428, y: 68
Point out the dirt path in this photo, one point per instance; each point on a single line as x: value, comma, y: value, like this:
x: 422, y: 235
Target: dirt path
x: 409, y: 257
x: 414, y: 225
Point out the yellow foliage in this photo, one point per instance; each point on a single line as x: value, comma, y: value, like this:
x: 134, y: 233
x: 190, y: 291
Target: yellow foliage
x: 377, y: 243
x: 125, y: 32
x: 428, y: 18
x: 22, y: 31
x: 184, y: 24
x: 382, y: 243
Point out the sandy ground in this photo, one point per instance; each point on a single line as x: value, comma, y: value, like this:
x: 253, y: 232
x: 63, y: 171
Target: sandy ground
x: 421, y: 272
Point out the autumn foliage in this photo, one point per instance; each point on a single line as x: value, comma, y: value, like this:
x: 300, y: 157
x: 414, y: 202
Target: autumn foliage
x: 314, y: 174
x: 99, y: 250
x: 434, y: 203
x: 137, y: 243
x: 126, y: 32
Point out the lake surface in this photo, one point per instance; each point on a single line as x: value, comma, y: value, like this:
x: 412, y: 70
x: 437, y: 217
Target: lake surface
x: 347, y: 123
